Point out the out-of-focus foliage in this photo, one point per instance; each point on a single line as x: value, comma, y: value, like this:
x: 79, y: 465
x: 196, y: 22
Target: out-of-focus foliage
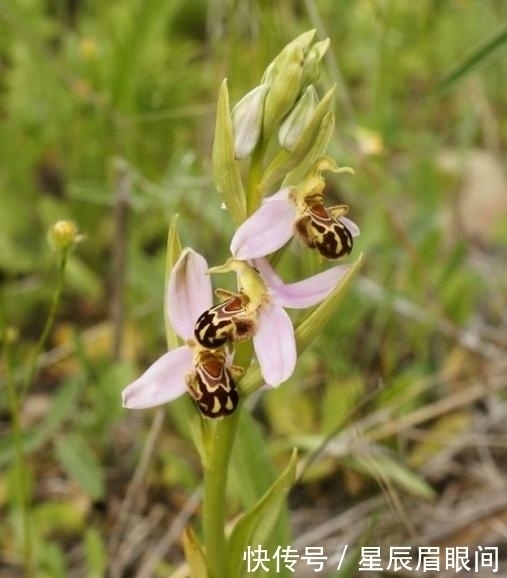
x: 107, y: 118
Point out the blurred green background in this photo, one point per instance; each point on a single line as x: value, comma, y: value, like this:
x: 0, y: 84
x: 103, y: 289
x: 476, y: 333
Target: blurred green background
x: 107, y: 117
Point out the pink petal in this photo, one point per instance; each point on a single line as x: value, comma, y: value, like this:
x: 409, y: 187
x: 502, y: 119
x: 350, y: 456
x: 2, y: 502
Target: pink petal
x: 351, y: 226
x: 189, y: 292
x: 161, y: 382
x: 310, y: 291
x: 268, y: 229
x: 275, y: 345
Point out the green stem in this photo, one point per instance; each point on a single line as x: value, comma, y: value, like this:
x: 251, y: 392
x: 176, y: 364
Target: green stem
x: 22, y: 484
x: 55, y: 302
x: 215, y: 482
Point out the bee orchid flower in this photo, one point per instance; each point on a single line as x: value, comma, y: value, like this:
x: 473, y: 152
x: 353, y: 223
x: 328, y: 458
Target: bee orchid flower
x: 258, y: 310
x: 203, y: 365
x: 206, y: 374
x: 297, y: 210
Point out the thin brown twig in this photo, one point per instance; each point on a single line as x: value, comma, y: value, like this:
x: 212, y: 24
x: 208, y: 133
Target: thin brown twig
x: 356, y: 516
x: 171, y: 536
x: 431, y: 411
x: 129, y: 502
x: 136, y: 539
x: 467, y: 338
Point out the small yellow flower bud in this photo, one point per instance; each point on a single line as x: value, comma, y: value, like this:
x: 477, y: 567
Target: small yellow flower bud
x: 88, y: 48
x: 11, y: 335
x: 369, y: 141
x: 63, y: 235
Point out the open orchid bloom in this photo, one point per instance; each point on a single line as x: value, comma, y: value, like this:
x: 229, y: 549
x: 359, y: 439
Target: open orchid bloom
x: 189, y: 292
x: 297, y: 210
x: 203, y: 366
x: 261, y: 301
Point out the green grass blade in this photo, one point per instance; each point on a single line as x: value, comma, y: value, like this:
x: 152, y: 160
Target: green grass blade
x: 475, y: 59
x: 79, y: 460
x: 144, y: 28
x: 387, y: 467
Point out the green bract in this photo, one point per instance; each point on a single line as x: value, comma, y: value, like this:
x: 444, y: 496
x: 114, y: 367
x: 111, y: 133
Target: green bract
x: 312, y: 143
x: 226, y: 173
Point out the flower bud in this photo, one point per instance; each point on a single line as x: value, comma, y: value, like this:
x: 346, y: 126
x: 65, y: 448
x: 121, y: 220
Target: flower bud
x: 284, y: 87
x: 288, y: 75
x: 298, y: 119
x: 283, y: 76
x: 302, y: 42
x: 63, y: 235
x: 247, y: 117
x: 311, y: 64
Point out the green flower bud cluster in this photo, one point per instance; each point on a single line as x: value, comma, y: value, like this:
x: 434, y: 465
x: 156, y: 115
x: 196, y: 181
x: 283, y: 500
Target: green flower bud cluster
x: 285, y: 104
x: 284, y: 101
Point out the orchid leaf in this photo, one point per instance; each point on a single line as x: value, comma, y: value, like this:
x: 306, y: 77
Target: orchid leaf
x: 252, y: 473
x: 256, y: 525
x: 251, y: 381
x: 251, y: 469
